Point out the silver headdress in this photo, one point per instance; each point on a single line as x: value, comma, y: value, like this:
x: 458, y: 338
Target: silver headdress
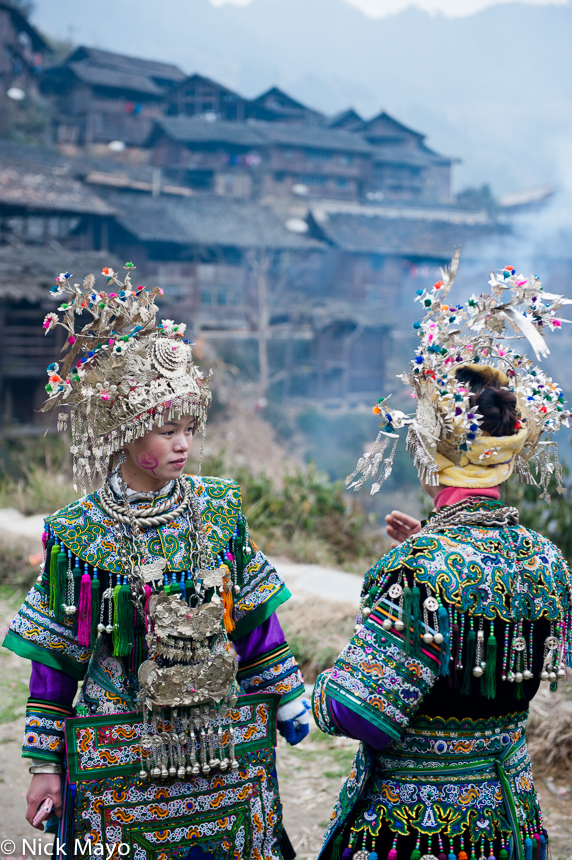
x: 123, y: 372
x: 444, y: 436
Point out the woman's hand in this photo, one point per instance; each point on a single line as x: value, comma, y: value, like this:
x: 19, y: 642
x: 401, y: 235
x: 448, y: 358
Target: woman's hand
x: 44, y: 785
x: 401, y: 526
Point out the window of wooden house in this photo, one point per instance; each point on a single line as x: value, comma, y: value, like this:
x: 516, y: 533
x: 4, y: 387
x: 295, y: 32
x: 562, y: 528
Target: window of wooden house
x: 311, y: 179
x: 206, y: 297
x: 221, y: 297
x: 289, y: 154
x: 346, y: 159
x: 341, y: 182
x: 318, y: 155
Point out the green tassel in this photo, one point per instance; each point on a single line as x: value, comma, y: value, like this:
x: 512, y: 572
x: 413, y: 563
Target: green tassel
x: 46, y: 573
x: 470, y: 651
x: 125, y: 622
x: 115, y: 634
x: 238, y: 544
x: 489, y: 681
x: 60, y: 584
x: 55, y: 551
x: 443, y: 621
x: 95, y: 606
x: 416, y: 619
x: 337, y: 842
x: 175, y: 588
x: 407, y: 618
x: 416, y: 854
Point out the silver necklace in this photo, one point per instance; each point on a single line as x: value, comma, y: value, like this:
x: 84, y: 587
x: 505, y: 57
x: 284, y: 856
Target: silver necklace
x: 157, y: 516
x: 460, y: 514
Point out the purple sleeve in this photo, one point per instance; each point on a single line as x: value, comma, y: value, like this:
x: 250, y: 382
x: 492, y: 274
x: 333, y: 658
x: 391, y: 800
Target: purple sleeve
x: 355, y: 726
x: 51, y: 684
x: 262, y: 639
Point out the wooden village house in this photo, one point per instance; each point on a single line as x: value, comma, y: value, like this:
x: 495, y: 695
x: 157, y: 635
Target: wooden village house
x: 270, y: 228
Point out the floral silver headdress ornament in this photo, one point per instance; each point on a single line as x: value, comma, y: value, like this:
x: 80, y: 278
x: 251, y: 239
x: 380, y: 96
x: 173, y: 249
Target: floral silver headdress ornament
x: 444, y: 435
x: 122, y: 372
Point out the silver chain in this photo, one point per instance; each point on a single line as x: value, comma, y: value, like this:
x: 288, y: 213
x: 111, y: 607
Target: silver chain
x: 147, y: 516
x: 460, y: 514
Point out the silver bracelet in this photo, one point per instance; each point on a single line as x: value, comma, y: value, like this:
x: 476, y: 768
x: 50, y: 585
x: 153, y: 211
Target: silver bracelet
x: 45, y: 768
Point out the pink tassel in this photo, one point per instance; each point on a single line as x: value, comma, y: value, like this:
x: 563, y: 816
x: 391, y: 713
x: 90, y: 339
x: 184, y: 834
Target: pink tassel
x: 392, y: 854
x: 44, y: 539
x: 84, y: 612
x: 148, y: 593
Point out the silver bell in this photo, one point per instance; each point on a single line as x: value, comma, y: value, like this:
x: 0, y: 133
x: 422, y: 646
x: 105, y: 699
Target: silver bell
x: 438, y: 638
x: 399, y: 625
x: 527, y: 674
x: 386, y: 624
x: 428, y: 638
x: 518, y: 677
x: 477, y: 671
x: 544, y: 676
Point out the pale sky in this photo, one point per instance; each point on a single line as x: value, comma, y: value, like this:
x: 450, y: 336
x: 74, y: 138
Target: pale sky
x: 451, y: 8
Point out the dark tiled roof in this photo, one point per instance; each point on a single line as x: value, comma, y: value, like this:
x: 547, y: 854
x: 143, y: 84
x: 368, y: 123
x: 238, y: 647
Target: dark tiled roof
x: 21, y: 23
x: 47, y: 190
x: 348, y: 119
x: 28, y: 271
x: 311, y: 136
x: 390, y: 125
x: 135, y: 65
x: 101, y: 76
x: 258, y: 133
x: 409, y: 237
x: 187, y: 130
x: 421, y: 157
x: 205, y: 221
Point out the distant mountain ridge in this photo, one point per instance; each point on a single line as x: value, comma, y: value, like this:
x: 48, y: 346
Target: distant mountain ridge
x: 493, y: 88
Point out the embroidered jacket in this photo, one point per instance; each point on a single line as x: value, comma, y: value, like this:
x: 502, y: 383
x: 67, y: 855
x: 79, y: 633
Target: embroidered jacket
x: 429, y: 614
x: 89, y: 538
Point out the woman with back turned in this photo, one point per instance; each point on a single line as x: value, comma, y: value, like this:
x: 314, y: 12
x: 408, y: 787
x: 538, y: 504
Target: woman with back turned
x: 464, y: 618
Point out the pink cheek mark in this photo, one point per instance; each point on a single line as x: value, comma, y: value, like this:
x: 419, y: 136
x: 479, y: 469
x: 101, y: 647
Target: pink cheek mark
x: 148, y: 462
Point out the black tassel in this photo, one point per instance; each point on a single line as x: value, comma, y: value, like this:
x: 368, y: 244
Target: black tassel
x: 407, y: 618
x: 416, y: 619
x: 469, y: 662
x: 454, y: 680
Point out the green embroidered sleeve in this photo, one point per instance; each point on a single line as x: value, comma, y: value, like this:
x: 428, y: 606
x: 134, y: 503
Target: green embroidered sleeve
x: 36, y: 635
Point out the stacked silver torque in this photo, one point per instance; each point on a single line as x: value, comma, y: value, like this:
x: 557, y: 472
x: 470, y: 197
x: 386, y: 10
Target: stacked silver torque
x: 187, y: 684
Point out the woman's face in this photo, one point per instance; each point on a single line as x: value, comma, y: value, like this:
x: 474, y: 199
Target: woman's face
x: 159, y: 456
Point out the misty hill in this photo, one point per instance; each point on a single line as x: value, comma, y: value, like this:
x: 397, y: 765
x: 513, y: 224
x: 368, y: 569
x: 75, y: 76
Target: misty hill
x: 492, y: 88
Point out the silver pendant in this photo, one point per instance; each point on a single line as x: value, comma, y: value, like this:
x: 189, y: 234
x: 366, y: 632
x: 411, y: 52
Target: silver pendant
x: 153, y: 571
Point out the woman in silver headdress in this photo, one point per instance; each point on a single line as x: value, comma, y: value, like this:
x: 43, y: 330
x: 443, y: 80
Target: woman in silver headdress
x: 168, y: 749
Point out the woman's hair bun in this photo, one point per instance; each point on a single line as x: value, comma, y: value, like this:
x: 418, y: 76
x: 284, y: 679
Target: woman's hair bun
x: 497, y: 408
